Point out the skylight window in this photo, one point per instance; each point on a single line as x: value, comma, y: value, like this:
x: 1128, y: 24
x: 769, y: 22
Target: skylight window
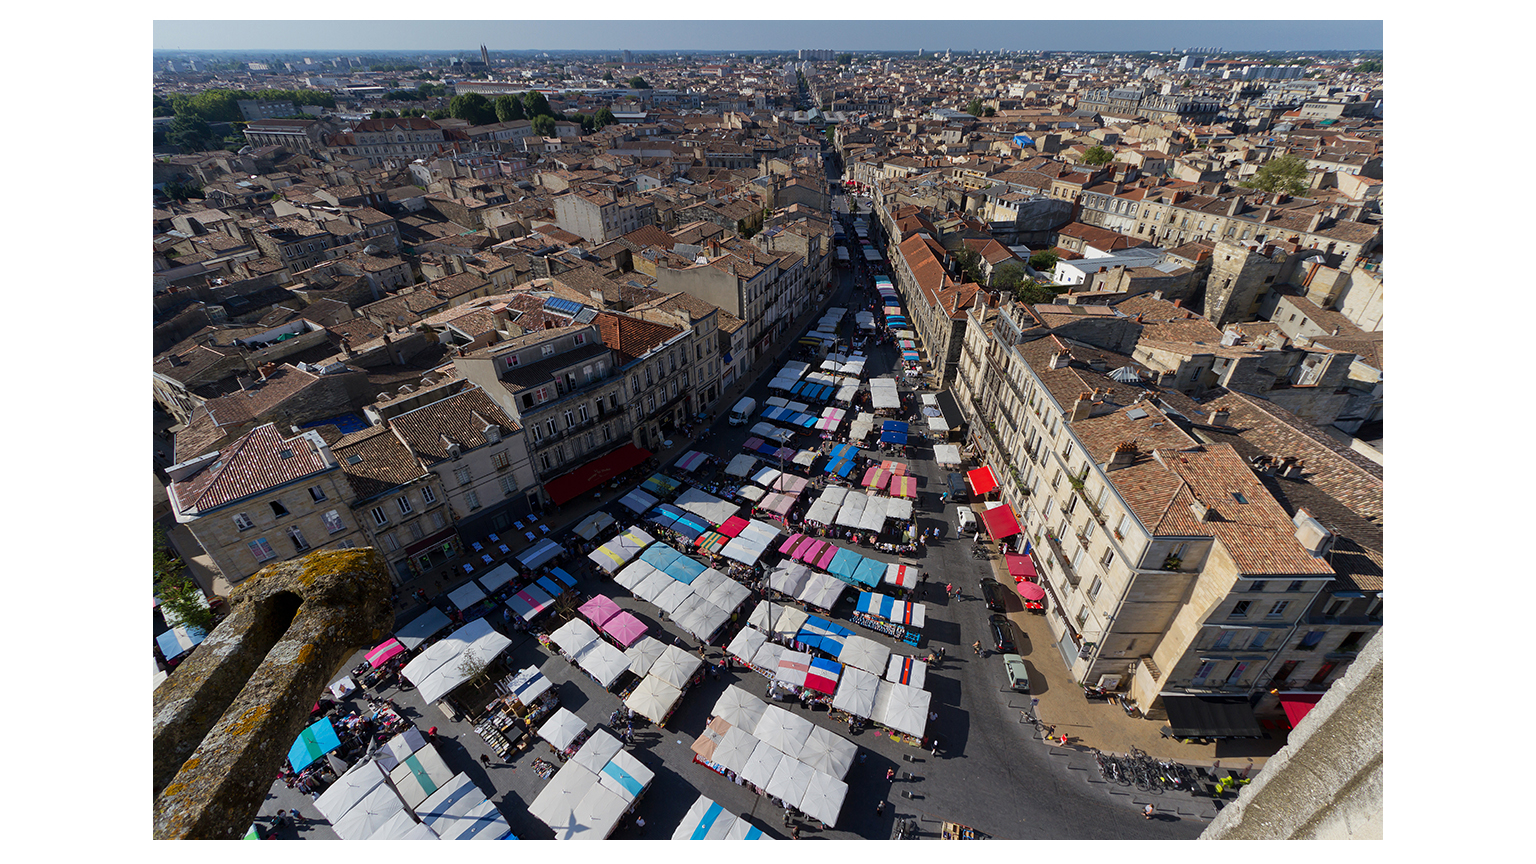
x: 1239, y: 497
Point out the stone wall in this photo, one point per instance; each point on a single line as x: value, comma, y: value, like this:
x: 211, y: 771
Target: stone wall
x: 1327, y: 783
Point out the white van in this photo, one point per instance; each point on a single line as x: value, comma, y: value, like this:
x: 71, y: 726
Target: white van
x: 966, y: 519
x: 743, y: 411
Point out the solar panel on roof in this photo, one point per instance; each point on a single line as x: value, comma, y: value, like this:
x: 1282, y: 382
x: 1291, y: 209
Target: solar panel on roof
x: 562, y: 306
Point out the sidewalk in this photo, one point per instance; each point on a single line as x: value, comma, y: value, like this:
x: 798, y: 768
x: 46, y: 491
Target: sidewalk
x: 1104, y: 725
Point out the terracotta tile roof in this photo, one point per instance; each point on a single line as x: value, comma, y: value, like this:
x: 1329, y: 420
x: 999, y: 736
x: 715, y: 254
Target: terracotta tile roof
x: 384, y: 462
x: 249, y: 465
x: 630, y: 337
x: 460, y: 419
x: 243, y: 406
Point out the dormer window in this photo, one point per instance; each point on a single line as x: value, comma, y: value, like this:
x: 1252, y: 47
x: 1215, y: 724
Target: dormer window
x: 493, y: 433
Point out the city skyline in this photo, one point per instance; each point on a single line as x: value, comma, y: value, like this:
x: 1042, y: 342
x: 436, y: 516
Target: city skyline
x: 718, y: 35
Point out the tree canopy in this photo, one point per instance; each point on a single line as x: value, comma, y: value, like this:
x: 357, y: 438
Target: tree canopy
x: 472, y: 108
x: 1034, y: 292
x: 535, y: 105
x: 1283, y: 174
x: 189, y: 133
x: 975, y: 108
x: 638, y: 83
x: 844, y: 59
x: 178, y: 594
x: 1008, y: 277
x: 1368, y: 66
x: 1098, y: 154
x: 970, y: 263
x: 544, y: 125
x: 508, y: 108
x: 1044, y: 261
x: 603, y: 118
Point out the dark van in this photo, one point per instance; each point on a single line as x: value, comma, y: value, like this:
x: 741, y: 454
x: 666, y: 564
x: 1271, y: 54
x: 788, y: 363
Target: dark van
x: 957, y: 489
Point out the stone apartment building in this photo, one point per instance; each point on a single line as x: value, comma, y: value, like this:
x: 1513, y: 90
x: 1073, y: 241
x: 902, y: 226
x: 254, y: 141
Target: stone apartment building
x: 602, y: 216
x: 745, y: 281
x: 1150, y: 542
x: 389, y: 142
x: 264, y: 498
x: 399, y: 504
x: 300, y: 136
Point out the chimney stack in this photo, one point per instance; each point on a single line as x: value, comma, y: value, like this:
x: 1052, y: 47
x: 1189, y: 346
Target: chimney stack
x: 267, y: 369
x: 1060, y: 360
x: 1179, y: 302
x: 1219, y: 418
x: 1124, y: 455
x: 1082, y: 407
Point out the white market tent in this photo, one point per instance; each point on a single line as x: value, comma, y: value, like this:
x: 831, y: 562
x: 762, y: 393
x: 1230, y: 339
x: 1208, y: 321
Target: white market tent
x: 466, y: 595
x: 866, y: 654
x: 573, y: 635
x: 482, y: 822
x: 790, y: 620
x: 651, y: 587
x: 788, y: 577
x: 556, y: 804
x: 501, y: 575
x: 828, y: 752
x: 734, y: 749
x: 448, y: 663
x: 902, y: 707
x: 790, y: 779
x: 370, y: 815
x: 947, y: 454
x: 399, y: 747
x: 673, y: 595
x: 528, y: 685
x: 638, y: 500
x: 728, y: 595
x: 822, y: 510
x: 761, y: 764
x: 793, y: 666
x: 597, y: 750
x: 603, y: 662
x: 458, y: 810
x: 623, y: 774
x: 768, y: 656
x: 536, y: 555
x: 595, y: 817
x: 856, y: 692
x: 424, y: 627
x: 706, y: 820
x: 350, y: 789
x: 714, y: 510
x: 740, y: 465
x: 706, y: 582
x: 883, y: 393
x: 403, y: 827
x: 642, y: 655
x: 632, y: 574
x: 745, y: 644
x: 822, y: 591
x: 652, y: 698
x: 594, y: 525
x: 675, y: 666
x: 561, y: 728
x: 419, y: 775
x: 739, y: 708
x: 782, y: 729
x: 823, y: 799
x: 765, y: 476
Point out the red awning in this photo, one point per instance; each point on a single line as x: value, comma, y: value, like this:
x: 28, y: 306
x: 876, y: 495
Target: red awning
x: 982, y: 480
x: 1297, y: 705
x: 733, y: 526
x: 1001, y: 522
x: 1031, y: 591
x: 1020, y: 566
x: 600, y: 470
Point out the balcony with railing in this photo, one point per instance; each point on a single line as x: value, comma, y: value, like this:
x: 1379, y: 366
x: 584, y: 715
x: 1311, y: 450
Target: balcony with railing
x: 1060, y: 554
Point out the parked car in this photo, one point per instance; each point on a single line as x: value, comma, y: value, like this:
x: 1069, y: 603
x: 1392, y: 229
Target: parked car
x: 957, y: 488
x: 993, y: 593
x: 1018, y: 675
x: 1002, y: 634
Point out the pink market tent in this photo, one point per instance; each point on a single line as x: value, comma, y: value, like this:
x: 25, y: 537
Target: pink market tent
x: 825, y: 559
x: 599, y: 609
x: 904, y: 487
x: 894, y: 467
x: 876, y: 477
x: 384, y: 652
x: 732, y: 526
x: 625, y: 628
x: 789, y: 545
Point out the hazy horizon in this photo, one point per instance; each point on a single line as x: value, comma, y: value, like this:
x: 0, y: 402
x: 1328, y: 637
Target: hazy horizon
x: 758, y: 36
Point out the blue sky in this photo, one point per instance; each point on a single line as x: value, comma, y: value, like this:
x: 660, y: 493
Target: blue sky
x: 1107, y: 35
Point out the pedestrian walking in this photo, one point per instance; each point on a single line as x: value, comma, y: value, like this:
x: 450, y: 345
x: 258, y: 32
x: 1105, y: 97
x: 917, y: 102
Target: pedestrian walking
x: 485, y: 760
x: 935, y: 749
x: 976, y: 647
x: 1147, y: 811
x: 890, y: 775
x: 880, y: 809
x: 1063, y: 740
x: 640, y: 823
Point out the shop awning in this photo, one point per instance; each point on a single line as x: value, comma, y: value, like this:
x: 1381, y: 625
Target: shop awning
x: 1001, y: 522
x: 600, y: 470
x: 1297, y: 705
x: 982, y: 480
x: 1191, y: 716
x: 1020, y: 566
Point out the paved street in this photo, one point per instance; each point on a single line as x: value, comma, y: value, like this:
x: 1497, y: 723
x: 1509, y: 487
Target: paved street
x: 992, y: 772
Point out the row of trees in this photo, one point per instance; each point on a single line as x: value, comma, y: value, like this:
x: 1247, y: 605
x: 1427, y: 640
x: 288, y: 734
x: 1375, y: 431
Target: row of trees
x: 1011, y: 277
x: 477, y: 110
x: 220, y: 105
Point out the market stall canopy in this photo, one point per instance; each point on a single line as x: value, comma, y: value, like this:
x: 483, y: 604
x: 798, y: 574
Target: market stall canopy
x: 317, y: 739
x: 856, y: 692
x: 595, y: 816
x: 864, y: 653
x: 573, y: 635
x: 530, y: 602
x: 419, y: 775
x: 642, y: 655
x: 595, y: 752
x: 1020, y: 566
x: 528, y: 685
x: 625, y: 776
x: 600, y: 470
x: 761, y: 764
x: 403, y: 827
x: 350, y: 789
x: 745, y: 643
x: 793, y: 666
x: 370, y: 815
x: 603, y: 662
x: 823, y: 799
x: 906, y: 670
x: 828, y: 752
x: 823, y: 674
x: 653, y: 698
x: 383, y: 653
x: 556, y: 804
x: 448, y: 663
x: 466, y: 595
x: 562, y: 728
x: 179, y: 640
x: 1031, y: 591
x: 397, y: 748
x: 594, y: 525
x: 625, y: 628
x: 714, y: 510
x: 790, y: 779
x: 675, y: 666
x: 740, y: 465
x: 788, y: 577
x: 902, y: 575
x: 691, y: 461
x: 902, y: 707
x: 1298, y: 705
x: 946, y: 454
x: 1211, y: 717
x: 539, y: 553
x: 1000, y: 520
x: 982, y: 480
x: 497, y: 577
x: 599, y: 609
x: 660, y: 485
x: 638, y: 500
